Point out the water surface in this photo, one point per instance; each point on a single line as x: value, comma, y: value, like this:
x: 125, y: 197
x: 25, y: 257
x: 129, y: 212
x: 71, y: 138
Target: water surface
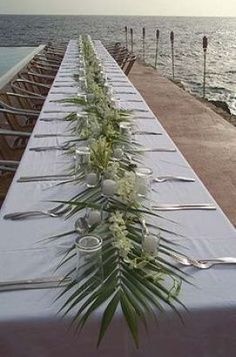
x: 221, y: 33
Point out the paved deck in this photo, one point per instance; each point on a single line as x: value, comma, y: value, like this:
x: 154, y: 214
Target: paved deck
x: 206, y: 140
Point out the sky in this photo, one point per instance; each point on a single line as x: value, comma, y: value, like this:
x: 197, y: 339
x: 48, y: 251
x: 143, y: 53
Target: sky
x: 121, y: 7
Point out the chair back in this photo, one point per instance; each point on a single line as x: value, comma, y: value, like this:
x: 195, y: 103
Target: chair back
x: 34, y: 66
x: 5, y: 149
x: 129, y: 64
x: 37, y: 77
x: 18, y: 120
x: 21, y: 102
x: 28, y: 87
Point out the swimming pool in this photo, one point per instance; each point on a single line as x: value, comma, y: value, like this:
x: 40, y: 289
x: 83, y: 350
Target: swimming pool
x: 10, y: 56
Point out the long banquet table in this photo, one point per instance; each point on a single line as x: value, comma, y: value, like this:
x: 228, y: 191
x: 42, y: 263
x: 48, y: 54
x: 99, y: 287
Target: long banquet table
x: 29, y: 323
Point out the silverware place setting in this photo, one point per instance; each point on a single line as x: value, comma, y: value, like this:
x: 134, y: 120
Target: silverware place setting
x: 125, y: 92
x: 45, y: 178
x: 161, y: 179
x: 139, y: 110
x: 130, y: 100
x: 37, y: 283
x: 62, y: 147
x: 183, y: 207
x: 59, y: 111
x: 65, y: 85
x: 52, y: 119
x: 155, y: 150
x: 122, y: 86
x: 202, y: 263
x: 140, y: 132
x: 64, y: 93
x: 40, y: 136
x: 144, y: 118
x: 55, y: 212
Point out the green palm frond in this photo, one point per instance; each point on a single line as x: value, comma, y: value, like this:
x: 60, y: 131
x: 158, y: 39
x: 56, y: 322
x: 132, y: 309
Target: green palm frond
x: 135, y: 282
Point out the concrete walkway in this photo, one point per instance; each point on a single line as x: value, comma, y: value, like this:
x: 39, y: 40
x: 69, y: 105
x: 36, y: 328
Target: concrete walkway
x: 206, y: 140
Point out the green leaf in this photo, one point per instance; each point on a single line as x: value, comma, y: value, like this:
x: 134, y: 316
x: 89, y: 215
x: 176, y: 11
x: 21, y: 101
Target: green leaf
x: 97, y: 299
x: 137, y: 303
x: 108, y: 315
x: 130, y: 316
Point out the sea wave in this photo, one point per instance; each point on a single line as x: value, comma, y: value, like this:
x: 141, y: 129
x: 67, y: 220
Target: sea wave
x: 221, y: 53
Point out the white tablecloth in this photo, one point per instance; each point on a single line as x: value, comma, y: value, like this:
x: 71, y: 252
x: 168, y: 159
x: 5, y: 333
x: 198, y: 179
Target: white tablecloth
x: 29, y: 325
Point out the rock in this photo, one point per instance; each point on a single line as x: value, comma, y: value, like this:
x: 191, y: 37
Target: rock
x: 221, y: 104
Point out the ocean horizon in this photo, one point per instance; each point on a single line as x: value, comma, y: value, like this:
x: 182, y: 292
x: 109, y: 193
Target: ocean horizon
x: 33, y: 30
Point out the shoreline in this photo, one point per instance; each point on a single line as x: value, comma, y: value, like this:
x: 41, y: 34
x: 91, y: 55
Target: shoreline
x: 203, y: 133
x: 219, y: 107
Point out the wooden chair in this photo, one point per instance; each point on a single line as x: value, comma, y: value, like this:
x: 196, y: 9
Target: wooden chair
x: 39, y: 68
x: 10, y: 160
x: 121, y: 55
x: 36, y: 77
x: 12, y: 151
x: 24, y: 86
x: 114, y: 48
x: 21, y: 102
x: 45, y: 63
x: 48, y: 59
x: 125, y: 60
x: 129, y: 64
x: 19, y: 120
x: 6, y: 178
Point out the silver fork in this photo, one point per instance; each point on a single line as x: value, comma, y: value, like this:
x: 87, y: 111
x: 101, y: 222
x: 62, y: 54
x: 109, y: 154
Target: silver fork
x: 54, y: 213
x: 161, y: 179
x: 202, y: 263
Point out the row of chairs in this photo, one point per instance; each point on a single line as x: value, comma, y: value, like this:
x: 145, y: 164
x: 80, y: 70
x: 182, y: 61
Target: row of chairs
x: 122, y: 56
x: 20, y: 105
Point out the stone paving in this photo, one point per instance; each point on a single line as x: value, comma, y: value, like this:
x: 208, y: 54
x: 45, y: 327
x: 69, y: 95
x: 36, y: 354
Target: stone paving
x: 206, y: 140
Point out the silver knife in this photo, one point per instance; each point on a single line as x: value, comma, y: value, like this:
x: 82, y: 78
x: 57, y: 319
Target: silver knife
x: 64, y: 93
x: 130, y: 100
x: 52, y: 135
x: 140, y: 132
x: 38, y: 283
x: 172, y: 178
x: 65, y: 76
x: 66, y: 83
x: 144, y: 118
x: 122, y: 85
x: 119, y: 92
x: 177, y: 207
x: 44, y: 178
x: 53, y: 119
x: 156, y: 150
x: 48, y: 148
x: 56, y: 111
x: 140, y: 110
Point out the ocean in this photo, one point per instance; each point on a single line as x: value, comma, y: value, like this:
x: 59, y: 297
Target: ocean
x: 189, y: 31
